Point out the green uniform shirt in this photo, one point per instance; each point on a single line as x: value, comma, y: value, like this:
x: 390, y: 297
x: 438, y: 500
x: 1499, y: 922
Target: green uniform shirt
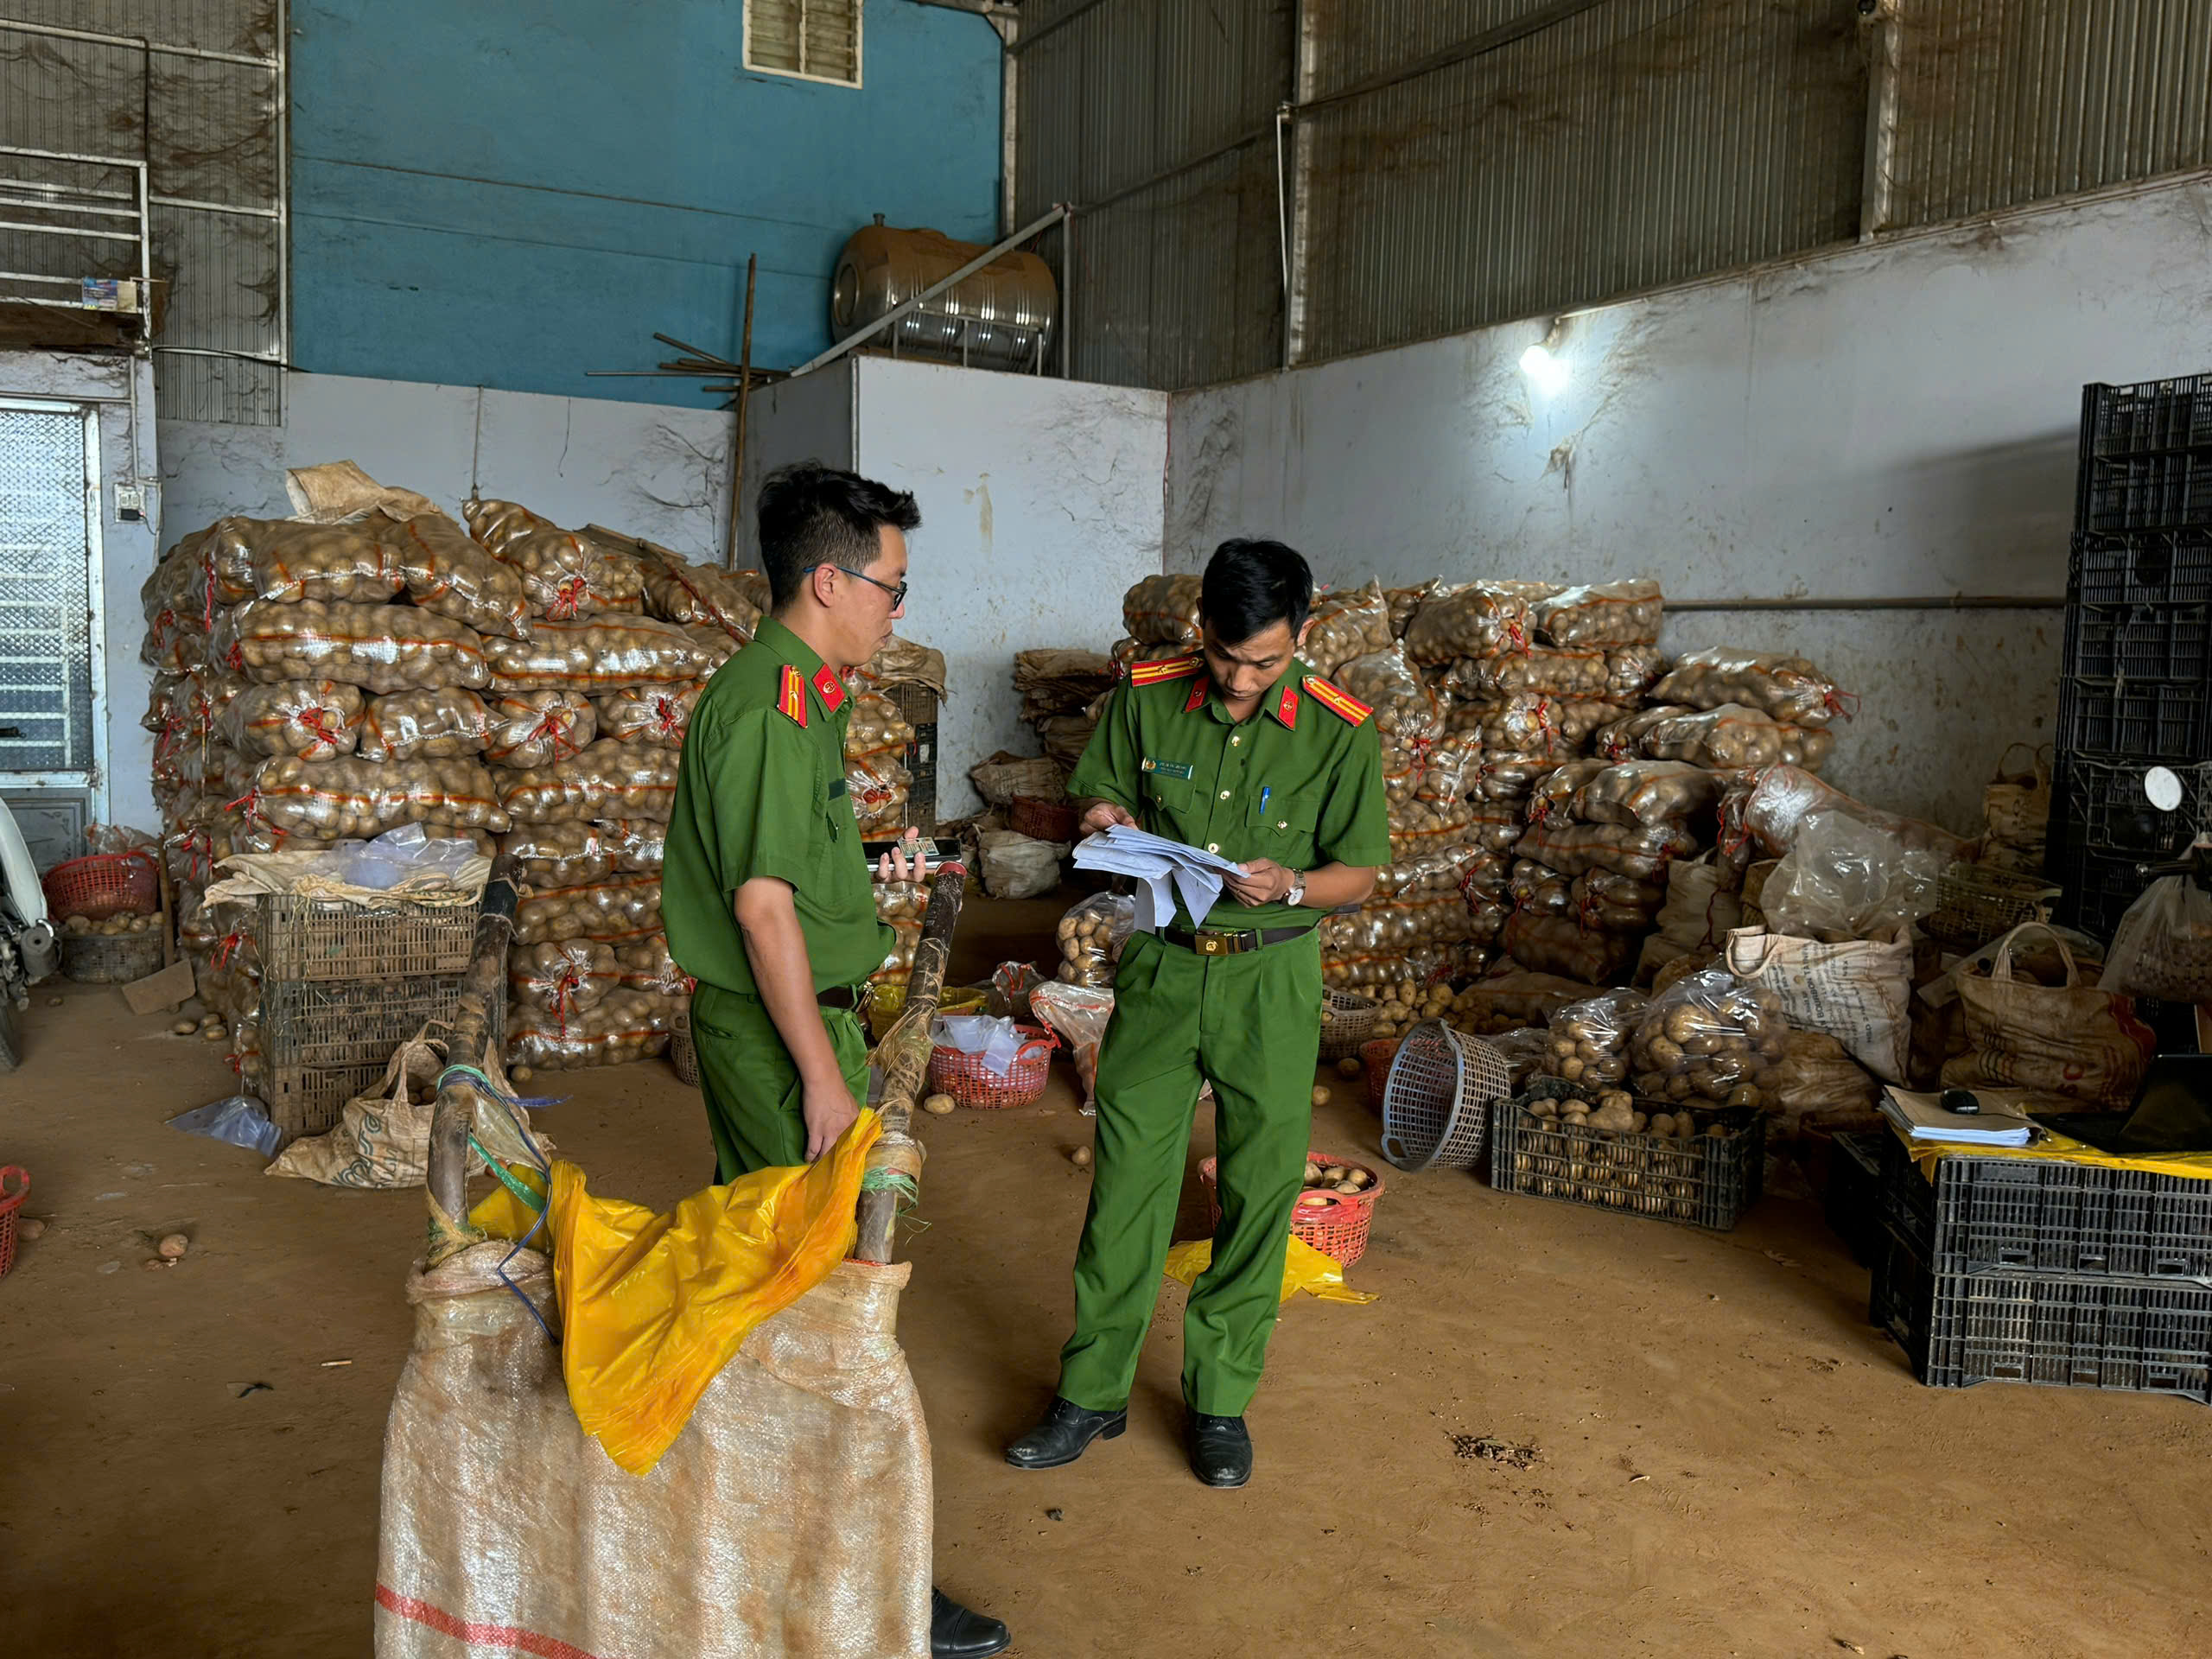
x: 1300, y: 781
x: 762, y: 791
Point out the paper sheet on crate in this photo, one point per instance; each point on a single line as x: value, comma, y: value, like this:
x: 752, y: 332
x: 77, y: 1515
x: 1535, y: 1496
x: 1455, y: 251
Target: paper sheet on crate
x: 1163, y: 869
x: 1922, y: 1118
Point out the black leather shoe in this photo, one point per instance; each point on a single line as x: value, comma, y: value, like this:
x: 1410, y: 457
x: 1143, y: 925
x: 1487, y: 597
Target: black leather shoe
x: 956, y: 1633
x: 1067, y: 1428
x: 1221, y: 1452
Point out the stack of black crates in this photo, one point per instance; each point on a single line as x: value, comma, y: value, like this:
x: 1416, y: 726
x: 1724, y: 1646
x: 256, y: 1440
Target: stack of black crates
x: 2136, y: 692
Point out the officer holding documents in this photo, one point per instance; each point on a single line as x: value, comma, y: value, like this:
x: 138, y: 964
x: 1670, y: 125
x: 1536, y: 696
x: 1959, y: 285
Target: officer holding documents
x: 1242, y: 750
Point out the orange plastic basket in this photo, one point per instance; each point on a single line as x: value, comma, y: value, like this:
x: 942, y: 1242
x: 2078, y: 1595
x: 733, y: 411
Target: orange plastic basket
x: 11, y: 1201
x: 105, y: 885
x: 965, y: 1079
x: 1338, y: 1228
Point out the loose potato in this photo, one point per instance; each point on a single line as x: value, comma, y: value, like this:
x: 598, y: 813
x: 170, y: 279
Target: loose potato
x: 938, y: 1105
x: 1320, y: 1095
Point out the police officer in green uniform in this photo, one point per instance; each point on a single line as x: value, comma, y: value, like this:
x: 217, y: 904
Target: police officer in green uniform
x: 764, y: 890
x: 1242, y: 750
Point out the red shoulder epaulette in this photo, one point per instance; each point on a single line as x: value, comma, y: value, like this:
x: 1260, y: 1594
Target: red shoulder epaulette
x: 1337, y: 699
x: 791, y: 694
x: 1173, y: 668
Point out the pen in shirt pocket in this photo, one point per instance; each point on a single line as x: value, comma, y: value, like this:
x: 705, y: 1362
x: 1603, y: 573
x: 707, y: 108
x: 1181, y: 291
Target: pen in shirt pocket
x: 1263, y: 799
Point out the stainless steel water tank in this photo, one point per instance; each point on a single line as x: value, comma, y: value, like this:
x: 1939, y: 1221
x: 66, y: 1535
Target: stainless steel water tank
x: 1000, y: 317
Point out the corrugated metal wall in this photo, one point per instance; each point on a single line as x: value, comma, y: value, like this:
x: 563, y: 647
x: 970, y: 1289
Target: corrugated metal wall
x: 1456, y: 162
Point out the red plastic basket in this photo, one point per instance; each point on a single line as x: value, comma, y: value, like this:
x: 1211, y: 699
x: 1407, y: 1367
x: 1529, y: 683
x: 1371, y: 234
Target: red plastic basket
x: 1376, y: 1056
x: 962, y: 1076
x: 10, y: 1203
x: 1338, y: 1228
x: 103, y: 885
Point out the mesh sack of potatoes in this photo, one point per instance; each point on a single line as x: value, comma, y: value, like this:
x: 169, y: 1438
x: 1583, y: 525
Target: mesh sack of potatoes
x: 1622, y: 740
x: 288, y: 560
x: 625, y: 1026
x: 316, y: 720
x: 715, y: 647
x: 537, y: 728
x: 1632, y: 670
x: 902, y: 904
x: 1404, y: 603
x: 880, y: 789
x: 1709, y: 1039
x: 564, y: 575
x: 1387, y: 927
x: 1642, y: 850
x: 176, y: 642
x: 1532, y: 724
x: 899, y: 960
x: 1510, y: 779
x: 875, y: 727
x: 1419, y: 827
x: 677, y: 590
x: 381, y: 648
x: 563, y: 976
x: 1127, y: 653
x: 1455, y: 869
x: 1733, y: 737
x: 1562, y: 945
x: 1163, y: 611
x: 441, y: 722
x: 648, y: 966
x: 1539, y: 889
x: 595, y: 657
x: 1649, y: 792
x: 1540, y: 669
x: 1602, y: 614
x: 353, y: 800
x: 620, y: 908
x: 1606, y: 903
x: 180, y: 579
x: 1769, y: 807
x: 650, y: 714
x: 1353, y: 623
x: 1370, y: 972
x: 1480, y: 620
x: 1496, y: 826
x: 1553, y: 798
x: 1445, y: 770
x: 1787, y: 689
x: 1513, y: 998
x: 1406, y: 711
x: 609, y: 779
x: 1090, y: 936
x: 445, y: 570
x: 1586, y: 1042
x: 571, y: 854
x: 754, y: 587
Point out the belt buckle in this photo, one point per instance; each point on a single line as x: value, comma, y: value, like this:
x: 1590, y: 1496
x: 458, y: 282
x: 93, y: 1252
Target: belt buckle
x: 1214, y: 943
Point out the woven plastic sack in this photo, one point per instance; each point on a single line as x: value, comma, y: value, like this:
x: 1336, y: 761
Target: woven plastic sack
x: 621, y: 907
x: 382, y: 1139
x: 1648, y: 792
x: 564, y: 575
x: 900, y: 661
x: 1642, y: 851
x: 2163, y: 947
x: 1786, y: 689
x: 1817, y: 1081
x: 1709, y: 1039
x: 1352, y: 623
x: 447, y: 571
x: 1733, y: 737
x: 350, y: 798
x: 607, y: 781
x: 880, y: 789
x: 288, y: 560
x: 595, y: 657
x: 377, y: 647
x: 1090, y: 937
x: 1163, y: 610
x: 1561, y: 945
x: 569, y: 854
x: 537, y: 728
x: 2015, y: 809
x: 445, y: 723
x: 1405, y: 710
x: 625, y: 1026
x: 1586, y: 1042
x: 2072, y: 1039
x: 563, y: 976
x: 1859, y: 992
x: 1480, y: 620
x: 315, y: 719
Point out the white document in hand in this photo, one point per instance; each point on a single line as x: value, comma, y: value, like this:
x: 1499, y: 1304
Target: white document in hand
x: 1164, y: 868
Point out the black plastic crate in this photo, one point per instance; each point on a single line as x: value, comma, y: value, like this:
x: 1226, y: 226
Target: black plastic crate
x: 2146, y: 491
x: 1706, y: 1180
x: 2139, y: 642
x: 2147, y: 417
x: 2140, y: 720
x: 2096, y: 887
x: 2056, y: 1329
x: 2147, y: 568
x: 1853, y: 1199
x: 2107, y: 809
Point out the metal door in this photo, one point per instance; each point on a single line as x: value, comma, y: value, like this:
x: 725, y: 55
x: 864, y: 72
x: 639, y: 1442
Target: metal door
x: 51, y: 656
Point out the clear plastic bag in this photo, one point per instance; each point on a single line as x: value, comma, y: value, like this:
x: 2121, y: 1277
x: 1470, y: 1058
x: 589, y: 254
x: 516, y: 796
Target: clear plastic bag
x: 1163, y: 610
x: 607, y: 781
x: 564, y: 575
x: 353, y: 800
x: 570, y: 854
x: 877, y: 728
x: 1632, y: 670
x: 447, y: 570
x: 1511, y: 778
x: 2163, y: 947
x: 238, y: 1120
x: 1769, y: 809
x: 625, y: 1026
x: 1527, y: 1051
x: 1018, y: 867
x: 880, y: 789
x: 1480, y: 620
x: 1515, y: 997
x: 539, y: 728
x: 659, y: 716
x: 1845, y: 879
x: 1532, y: 724
x: 1127, y: 652
x: 1709, y: 1039
x: 1622, y: 740
x: 381, y: 648
x: 596, y: 657
x: 1648, y: 792
x: 1733, y: 737
x: 1091, y: 936
x: 444, y: 722
x: 411, y: 853
x: 1541, y: 670
x: 563, y: 976
x: 1080, y: 1014
x: 1606, y: 903
x: 1012, y: 986
x: 1642, y: 851
x: 1406, y: 711
x: 715, y: 647
x: 1405, y: 604
x: 1587, y: 1041
x: 647, y: 965
x: 1607, y: 613
x: 1789, y: 689
x: 1551, y: 800
x: 287, y: 561
x: 621, y: 909
x: 677, y: 590
x: 1355, y: 622
x: 316, y: 720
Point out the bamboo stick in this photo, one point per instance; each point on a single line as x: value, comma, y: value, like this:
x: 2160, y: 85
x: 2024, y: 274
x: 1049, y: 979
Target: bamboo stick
x: 485, y: 981
x: 905, y: 1057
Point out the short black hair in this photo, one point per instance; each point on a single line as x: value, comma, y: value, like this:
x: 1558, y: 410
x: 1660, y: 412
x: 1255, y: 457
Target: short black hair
x: 1249, y: 586
x: 810, y: 514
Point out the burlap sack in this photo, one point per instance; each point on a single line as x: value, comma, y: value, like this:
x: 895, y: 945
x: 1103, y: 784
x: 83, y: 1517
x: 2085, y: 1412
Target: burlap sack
x: 792, y: 1516
x: 1859, y: 992
x: 2070, y: 1040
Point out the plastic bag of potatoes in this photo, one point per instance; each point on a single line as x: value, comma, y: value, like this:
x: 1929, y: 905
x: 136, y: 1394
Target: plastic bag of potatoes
x: 1622, y: 740
x: 1405, y: 710
x: 1372, y: 973
x: 1551, y: 800
x: 1607, y: 903
x: 880, y: 789
x: 1090, y: 936
x: 1480, y: 620
x: 377, y: 647
x: 1514, y: 998
x: 619, y: 908
x: 539, y: 728
x: 607, y: 781
x: 625, y: 1026
x: 440, y: 723
x: 1787, y: 689
x: 647, y: 966
x: 447, y: 570
x: 1587, y: 1041
x: 1632, y: 670
x: 564, y: 575
x: 1127, y: 652
x: 1560, y: 945
x: 1353, y: 623
x: 1709, y: 1039
x: 677, y: 590
x: 876, y: 728
x: 1163, y: 610
x: 316, y: 720
x: 1545, y: 670
x: 563, y: 976
x: 353, y: 800
x: 595, y: 657
x: 572, y: 853
x: 652, y: 714
x: 1733, y: 737
x: 287, y: 560
x: 1642, y: 851
x: 1604, y: 613
x: 1648, y: 792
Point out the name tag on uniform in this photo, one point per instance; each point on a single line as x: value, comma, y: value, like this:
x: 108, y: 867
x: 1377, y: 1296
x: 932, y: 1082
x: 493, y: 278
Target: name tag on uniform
x: 837, y: 789
x: 1180, y: 769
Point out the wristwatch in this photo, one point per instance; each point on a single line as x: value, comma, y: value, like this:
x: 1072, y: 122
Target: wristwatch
x: 1297, y: 894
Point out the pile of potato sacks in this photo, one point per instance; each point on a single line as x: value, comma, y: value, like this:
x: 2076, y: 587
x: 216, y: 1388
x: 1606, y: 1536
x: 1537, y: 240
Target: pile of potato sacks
x: 499, y: 679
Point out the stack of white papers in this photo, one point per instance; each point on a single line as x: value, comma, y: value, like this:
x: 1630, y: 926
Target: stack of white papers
x: 1163, y: 869
x: 1922, y: 1118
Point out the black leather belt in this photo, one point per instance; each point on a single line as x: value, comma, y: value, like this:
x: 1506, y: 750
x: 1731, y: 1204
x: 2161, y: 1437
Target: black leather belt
x: 840, y: 997
x: 1216, y: 942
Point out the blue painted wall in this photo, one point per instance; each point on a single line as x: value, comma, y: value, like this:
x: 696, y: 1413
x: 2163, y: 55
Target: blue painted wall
x: 506, y: 192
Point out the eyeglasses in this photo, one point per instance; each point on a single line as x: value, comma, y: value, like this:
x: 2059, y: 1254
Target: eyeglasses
x: 898, y: 594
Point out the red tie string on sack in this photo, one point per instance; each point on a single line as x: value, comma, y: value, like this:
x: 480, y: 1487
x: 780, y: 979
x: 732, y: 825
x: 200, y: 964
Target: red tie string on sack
x: 1735, y: 831
x: 249, y: 803
x: 566, y: 980
x: 318, y: 724
x: 667, y: 715
x: 1840, y: 702
x: 226, y: 947
x: 1588, y: 910
x: 234, y: 658
x: 568, y: 595
x: 553, y: 729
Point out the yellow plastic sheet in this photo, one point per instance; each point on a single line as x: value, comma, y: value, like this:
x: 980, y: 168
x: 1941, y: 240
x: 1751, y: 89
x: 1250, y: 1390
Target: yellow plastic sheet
x: 2053, y: 1147
x: 652, y: 1307
x: 1305, y: 1269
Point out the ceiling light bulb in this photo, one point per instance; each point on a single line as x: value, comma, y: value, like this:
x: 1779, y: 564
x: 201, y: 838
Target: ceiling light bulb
x: 1548, y: 373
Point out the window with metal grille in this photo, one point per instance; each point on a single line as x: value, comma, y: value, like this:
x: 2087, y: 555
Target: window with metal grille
x: 813, y: 39
x: 48, y: 473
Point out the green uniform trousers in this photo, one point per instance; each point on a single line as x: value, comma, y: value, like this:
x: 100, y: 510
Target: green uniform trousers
x: 1250, y: 1026
x: 755, y: 1105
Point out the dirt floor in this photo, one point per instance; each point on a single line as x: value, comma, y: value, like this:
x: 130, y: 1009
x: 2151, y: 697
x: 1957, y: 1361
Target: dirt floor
x: 1721, y: 1457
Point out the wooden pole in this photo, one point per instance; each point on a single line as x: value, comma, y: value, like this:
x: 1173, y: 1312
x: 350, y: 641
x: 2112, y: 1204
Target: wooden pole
x: 904, y: 1057
x: 744, y: 397
x: 485, y: 981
